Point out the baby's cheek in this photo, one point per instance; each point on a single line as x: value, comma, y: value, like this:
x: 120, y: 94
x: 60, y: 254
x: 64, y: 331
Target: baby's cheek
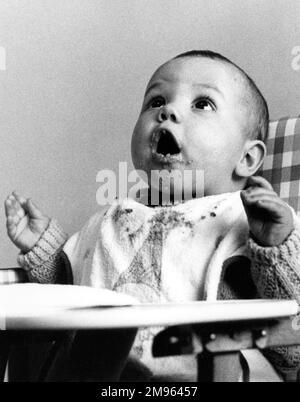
x: 137, y: 150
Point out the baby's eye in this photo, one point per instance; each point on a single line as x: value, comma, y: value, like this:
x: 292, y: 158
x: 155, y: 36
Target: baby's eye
x: 157, y: 102
x: 204, y: 104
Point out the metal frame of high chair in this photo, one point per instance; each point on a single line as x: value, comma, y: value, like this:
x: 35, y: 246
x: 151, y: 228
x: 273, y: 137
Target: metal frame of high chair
x: 217, y: 346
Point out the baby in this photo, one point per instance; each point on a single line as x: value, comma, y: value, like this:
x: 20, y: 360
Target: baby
x: 201, y: 112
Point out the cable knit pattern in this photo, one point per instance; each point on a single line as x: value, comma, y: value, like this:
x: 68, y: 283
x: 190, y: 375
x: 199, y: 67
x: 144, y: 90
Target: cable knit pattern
x: 276, y: 273
x: 276, y: 270
x: 42, y: 262
x: 51, y: 271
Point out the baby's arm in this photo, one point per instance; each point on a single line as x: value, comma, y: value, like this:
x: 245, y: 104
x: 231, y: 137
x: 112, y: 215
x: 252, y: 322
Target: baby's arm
x: 40, y: 240
x: 276, y: 273
x: 274, y: 249
x: 274, y: 243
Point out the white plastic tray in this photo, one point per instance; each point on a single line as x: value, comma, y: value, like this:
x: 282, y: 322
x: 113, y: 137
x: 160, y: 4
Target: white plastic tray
x: 32, y: 306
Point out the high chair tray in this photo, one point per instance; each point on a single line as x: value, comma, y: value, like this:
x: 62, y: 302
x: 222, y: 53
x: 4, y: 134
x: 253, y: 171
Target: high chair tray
x: 34, y: 306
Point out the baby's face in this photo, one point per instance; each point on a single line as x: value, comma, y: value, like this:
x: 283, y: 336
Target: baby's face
x: 193, y: 110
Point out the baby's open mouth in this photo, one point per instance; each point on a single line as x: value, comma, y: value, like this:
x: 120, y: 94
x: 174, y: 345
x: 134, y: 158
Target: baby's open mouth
x: 165, y: 147
x: 167, y: 144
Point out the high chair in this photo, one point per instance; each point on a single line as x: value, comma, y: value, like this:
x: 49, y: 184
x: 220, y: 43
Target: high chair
x: 218, y: 346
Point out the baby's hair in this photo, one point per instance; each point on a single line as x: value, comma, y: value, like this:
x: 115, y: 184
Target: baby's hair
x: 261, y: 130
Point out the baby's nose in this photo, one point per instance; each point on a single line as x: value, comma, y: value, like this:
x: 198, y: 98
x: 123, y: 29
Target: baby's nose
x: 168, y: 113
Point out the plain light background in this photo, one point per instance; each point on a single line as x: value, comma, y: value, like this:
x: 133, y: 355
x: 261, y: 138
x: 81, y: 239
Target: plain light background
x: 75, y: 75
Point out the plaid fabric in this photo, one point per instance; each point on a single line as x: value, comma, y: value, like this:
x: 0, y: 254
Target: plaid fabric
x: 12, y: 275
x: 282, y: 164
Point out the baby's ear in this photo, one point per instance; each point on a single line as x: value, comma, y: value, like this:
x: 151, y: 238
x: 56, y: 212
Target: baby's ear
x: 252, y: 158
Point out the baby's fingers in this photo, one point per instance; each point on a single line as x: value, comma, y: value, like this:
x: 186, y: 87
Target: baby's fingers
x: 258, y: 181
x: 33, y: 210
x: 11, y: 226
x: 13, y: 207
x: 17, y: 205
x: 19, y: 198
x: 273, y: 207
x: 29, y: 206
x: 257, y: 198
x: 253, y: 194
x: 267, y: 205
x: 14, y: 224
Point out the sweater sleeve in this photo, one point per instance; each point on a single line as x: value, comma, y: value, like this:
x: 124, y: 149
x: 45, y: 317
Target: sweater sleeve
x: 276, y: 273
x: 46, y: 261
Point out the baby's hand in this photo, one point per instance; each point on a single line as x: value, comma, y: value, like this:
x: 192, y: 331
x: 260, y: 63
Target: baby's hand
x: 24, y: 221
x: 270, y: 219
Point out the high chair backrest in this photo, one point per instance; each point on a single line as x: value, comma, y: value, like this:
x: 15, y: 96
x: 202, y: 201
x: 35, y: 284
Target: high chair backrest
x: 282, y: 164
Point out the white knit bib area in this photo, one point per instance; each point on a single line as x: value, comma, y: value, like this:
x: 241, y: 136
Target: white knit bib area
x: 163, y: 253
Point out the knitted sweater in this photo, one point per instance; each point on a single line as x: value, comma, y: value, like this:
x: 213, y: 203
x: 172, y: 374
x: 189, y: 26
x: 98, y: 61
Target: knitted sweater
x: 198, y: 250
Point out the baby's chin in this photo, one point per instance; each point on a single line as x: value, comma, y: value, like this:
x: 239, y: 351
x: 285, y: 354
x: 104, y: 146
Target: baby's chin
x: 176, y: 180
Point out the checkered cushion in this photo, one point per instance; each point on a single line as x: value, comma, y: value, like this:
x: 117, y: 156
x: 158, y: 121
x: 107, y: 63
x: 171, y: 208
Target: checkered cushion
x: 12, y: 275
x: 282, y: 164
